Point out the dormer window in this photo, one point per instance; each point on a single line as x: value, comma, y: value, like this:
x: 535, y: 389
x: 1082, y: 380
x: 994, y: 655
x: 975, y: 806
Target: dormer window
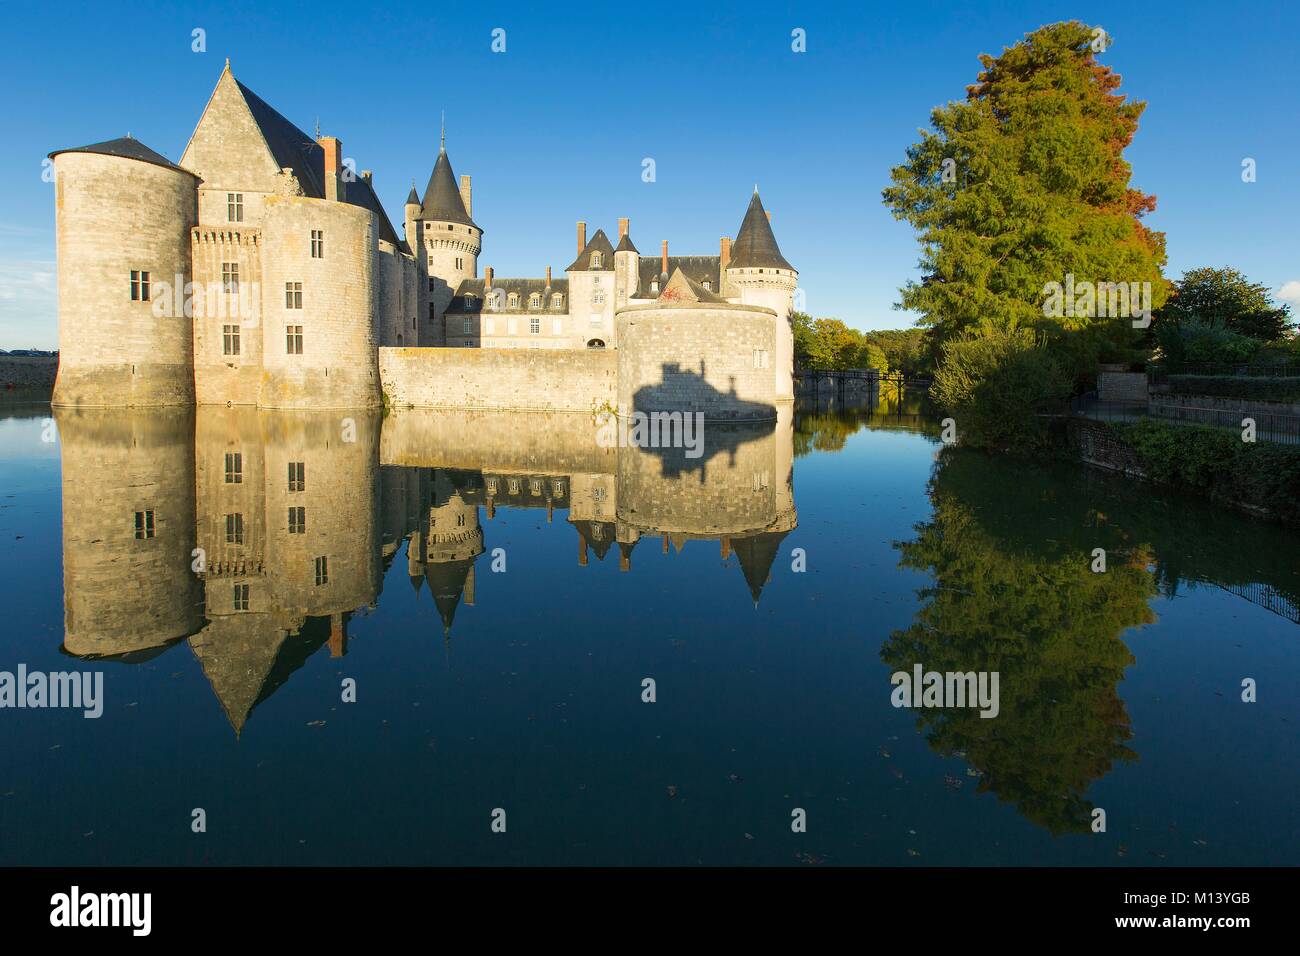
x: 535, y: 301
x: 513, y: 301
x: 654, y: 286
x: 596, y: 260
x: 708, y: 286
x: 557, y: 301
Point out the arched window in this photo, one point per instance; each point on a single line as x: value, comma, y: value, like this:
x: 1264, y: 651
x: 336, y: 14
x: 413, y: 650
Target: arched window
x: 595, y: 344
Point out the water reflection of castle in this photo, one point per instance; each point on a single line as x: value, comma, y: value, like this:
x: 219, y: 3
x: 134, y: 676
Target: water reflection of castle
x: 256, y: 534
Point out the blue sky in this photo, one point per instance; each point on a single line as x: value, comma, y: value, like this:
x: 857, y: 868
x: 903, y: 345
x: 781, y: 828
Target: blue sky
x: 556, y: 128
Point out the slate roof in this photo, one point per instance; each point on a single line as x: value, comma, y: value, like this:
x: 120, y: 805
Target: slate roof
x: 597, y: 243
x: 755, y: 246
x: 442, y: 196
x: 461, y: 304
x: 127, y: 148
x: 625, y: 244
x: 699, y: 269
x: 682, y: 290
x: 756, y: 555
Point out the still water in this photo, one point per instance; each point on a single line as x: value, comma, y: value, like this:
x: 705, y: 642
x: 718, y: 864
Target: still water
x: 496, y: 589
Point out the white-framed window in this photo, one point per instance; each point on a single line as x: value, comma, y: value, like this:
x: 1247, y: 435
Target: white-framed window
x: 468, y: 325
x: 293, y: 339
x: 139, y: 286
x: 534, y: 325
x: 708, y: 285
x: 241, y: 597
x: 654, y: 286
x: 318, y: 244
x: 535, y: 300
x: 293, y: 295
x: 598, y: 297
x: 234, y: 468
x: 230, y: 278
x: 230, y: 340
x: 597, y: 260
x: 557, y: 301
x: 234, y: 207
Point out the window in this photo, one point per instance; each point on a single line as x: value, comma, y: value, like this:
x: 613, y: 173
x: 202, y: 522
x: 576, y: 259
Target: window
x: 234, y: 207
x: 534, y: 325
x: 596, y: 260
x: 431, y: 282
x: 235, y: 529
x: 460, y: 521
x: 595, y: 344
x: 297, y: 475
x: 491, y: 486
x: 234, y: 467
x: 598, y: 297
x: 535, y: 301
x: 144, y: 524
x: 535, y: 486
x: 297, y: 520
x: 139, y: 286
x: 230, y: 277
x: 230, y: 340
x: 708, y: 285
x: 514, y: 300
x: 322, y: 571
x: 293, y: 295
x: 241, y: 597
x: 460, y: 263
x: 557, y: 301
x: 318, y: 244
x: 654, y: 286
x: 558, y: 487
x: 469, y: 325
x: 293, y: 339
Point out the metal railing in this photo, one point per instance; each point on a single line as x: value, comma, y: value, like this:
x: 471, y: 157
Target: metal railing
x: 1269, y: 426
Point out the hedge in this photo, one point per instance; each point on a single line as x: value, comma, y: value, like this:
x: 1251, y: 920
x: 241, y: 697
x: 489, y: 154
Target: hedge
x: 1250, y: 387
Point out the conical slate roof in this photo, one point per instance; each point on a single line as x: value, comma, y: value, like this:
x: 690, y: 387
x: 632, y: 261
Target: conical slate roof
x: 442, y: 196
x: 756, y: 555
x: 447, y: 582
x: 625, y: 244
x: 414, y: 197
x: 755, y: 246
x: 127, y: 148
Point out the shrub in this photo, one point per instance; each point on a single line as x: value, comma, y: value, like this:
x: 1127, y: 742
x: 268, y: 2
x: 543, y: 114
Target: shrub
x: 1218, y: 463
x: 1250, y: 387
x: 994, y: 383
x: 1195, y: 340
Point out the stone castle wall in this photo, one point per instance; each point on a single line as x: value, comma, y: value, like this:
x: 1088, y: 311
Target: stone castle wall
x: 114, y: 216
x: 713, y: 358
x: 523, y: 379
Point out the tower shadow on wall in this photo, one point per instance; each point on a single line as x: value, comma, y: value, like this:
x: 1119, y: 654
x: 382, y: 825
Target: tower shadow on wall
x: 730, y: 421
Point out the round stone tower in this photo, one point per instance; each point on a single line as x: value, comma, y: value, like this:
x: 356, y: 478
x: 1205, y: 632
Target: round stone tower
x: 760, y: 275
x: 450, y: 239
x: 123, y: 215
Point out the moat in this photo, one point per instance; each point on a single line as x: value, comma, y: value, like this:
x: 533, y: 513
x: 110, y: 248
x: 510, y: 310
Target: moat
x: 496, y: 588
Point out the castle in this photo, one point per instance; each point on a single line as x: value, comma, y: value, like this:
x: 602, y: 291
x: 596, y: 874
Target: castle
x: 262, y: 270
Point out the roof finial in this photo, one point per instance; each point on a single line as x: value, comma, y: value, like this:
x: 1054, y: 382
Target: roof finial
x: 318, y: 127
x: 442, y: 145
x: 755, y: 189
x: 227, y: 63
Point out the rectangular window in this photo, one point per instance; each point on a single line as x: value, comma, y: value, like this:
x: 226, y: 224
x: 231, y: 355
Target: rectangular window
x: 322, y: 571
x: 595, y: 318
x: 297, y: 475
x: 139, y: 286
x: 318, y: 244
x: 293, y: 295
x: 230, y: 340
x: 230, y: 277
x: 234, y: 467
x: 144, y: 524
x: 241, y: 597
x: 534, y: 325
x: 234, y: 207
x: 468, y: 326
x: 297, y: 520
x: 431, y: 281
x: 235, y: 529
x: 293, y: 339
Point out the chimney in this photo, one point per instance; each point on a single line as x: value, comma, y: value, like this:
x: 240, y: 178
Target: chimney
x: 465, y: 196
x: 548, y: 277
x: 582, y: 551
x: 622, y: 228
x: 335, y: 187
x: 582, y: 236
x: 664, y: 268
x: 487, y: 281
x: 724, y: 253
x: 469, y: 587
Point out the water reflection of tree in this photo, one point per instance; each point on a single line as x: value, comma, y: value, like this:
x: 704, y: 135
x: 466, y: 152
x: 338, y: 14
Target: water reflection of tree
x: 824, y: 423
x: 1014, y: 593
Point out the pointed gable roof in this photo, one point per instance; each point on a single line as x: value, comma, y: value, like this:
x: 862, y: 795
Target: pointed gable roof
x: 625, y: 244
x: 413, y: 199
x: 442, y: 196
x: 290, y: 147
x: 127, y: 148
x: 597, y: 243
x: 755, y: 246
x: 682, y: 290
x: 756, y: 555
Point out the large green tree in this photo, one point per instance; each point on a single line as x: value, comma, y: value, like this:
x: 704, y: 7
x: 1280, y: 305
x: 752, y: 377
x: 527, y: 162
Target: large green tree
x: 1227, y: 297
x: 1023, y: 182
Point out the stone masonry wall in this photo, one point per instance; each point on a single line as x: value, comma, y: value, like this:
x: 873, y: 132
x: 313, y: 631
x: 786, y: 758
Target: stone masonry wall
x: 1122, y: 387
x: 523, y: 379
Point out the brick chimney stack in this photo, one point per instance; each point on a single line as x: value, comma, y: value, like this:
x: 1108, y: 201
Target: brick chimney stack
x: 663, y: 269
x: 335, y: 187
x: 548, y: 277
x: 582, y: 236
x: 466, y: 196
x: 487, y: 281
x: 622, y: 228
x: 724, y: 253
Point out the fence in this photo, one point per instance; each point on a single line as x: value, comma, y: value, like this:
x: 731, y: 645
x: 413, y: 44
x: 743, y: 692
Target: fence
x: 1269, y: 426
x: 1159, y: 374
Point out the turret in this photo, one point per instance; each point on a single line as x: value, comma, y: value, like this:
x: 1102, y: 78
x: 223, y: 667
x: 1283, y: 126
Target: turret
x: 123, y: 215
x: 761, y: 276
x: 451, y: 240
x: 626, y: 261
x: 592, y: 288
